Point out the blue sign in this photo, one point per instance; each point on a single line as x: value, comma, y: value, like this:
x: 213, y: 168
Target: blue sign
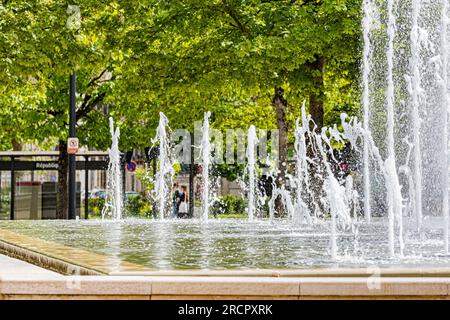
x: 131, y: 166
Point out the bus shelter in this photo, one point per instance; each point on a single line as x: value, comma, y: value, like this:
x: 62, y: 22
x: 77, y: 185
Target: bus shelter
x: 28, y: 182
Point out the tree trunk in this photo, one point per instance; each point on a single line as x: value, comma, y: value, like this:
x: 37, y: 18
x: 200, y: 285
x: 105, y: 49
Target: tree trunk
x: 280, y: 105
x: 17, y: 146
x: 316, y: 97
x: 62, y: 196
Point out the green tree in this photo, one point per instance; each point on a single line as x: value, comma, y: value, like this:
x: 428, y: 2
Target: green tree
x: 42, y: 43
x: 252, y: 61
x: 195, y: 56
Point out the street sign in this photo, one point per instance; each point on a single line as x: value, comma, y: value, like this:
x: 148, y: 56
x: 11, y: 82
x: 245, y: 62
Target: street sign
x: 72, y: 145
x: 131, y: 166
x: 343, y: 167
x: 22, y: 165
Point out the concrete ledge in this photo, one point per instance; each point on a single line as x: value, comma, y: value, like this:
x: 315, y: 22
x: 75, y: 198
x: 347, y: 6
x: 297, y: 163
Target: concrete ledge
x: 107, y: 287
x: 42, y: 260
x: 239, y: 286
x: 60, y: 258
x: 77, y: 285
x: 296, y: 273
x: 387, y: 287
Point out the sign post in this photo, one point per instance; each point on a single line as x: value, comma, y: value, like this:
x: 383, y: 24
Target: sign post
x: 72, y: 148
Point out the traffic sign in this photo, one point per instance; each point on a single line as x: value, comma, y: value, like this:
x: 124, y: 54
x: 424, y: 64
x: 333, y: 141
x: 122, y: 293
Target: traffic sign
x: 72, y: 145
x: 131, y: 166
x: 343, y: 167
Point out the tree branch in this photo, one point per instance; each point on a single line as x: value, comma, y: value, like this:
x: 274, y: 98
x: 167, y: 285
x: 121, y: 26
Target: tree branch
x: 235, y: 17
x: 88, y: 105
x: 92, y: 82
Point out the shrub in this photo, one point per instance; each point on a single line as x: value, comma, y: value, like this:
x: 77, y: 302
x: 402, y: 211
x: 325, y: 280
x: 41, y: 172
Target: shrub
x: 96, y: 206
x: 230, y: 204
x: 137, y: 206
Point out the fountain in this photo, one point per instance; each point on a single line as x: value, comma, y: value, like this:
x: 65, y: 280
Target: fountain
x: 252, y: 142
x: 163, y: 178
x: 388, y: 205
x: 114, y: 197
x: 444, y: 83
x: 415, y: 92
x: 206, y: 162
x: 368, y: 21
x: 403, y: 174
x: 408, y: 120
x: 301, y: 179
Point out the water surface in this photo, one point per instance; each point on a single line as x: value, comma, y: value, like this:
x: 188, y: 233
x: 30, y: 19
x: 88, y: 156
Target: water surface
x: 233, y: 244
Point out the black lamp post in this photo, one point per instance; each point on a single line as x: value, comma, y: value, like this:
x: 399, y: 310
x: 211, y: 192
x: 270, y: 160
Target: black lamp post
x: 72, y: 160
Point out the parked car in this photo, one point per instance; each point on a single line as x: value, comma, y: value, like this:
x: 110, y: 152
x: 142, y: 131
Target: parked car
x: 97, y: 193
x: 131, y: 194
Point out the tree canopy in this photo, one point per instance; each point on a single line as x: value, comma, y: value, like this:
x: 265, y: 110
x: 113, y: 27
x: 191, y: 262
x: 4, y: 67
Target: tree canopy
x: 182, y: 57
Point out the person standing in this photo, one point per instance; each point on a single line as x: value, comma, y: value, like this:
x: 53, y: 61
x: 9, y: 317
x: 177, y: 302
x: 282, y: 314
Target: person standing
x: 175, y: 200
x: 184, y: 200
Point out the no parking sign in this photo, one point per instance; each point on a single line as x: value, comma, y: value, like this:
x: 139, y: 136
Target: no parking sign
x: 72, y: 145
x: 131, y: 166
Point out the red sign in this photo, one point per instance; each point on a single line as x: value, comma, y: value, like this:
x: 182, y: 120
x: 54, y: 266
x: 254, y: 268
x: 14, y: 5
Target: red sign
x: 72, y: 145
x: 28, y: 183
x: 344, y: 167
x: 131, y: 166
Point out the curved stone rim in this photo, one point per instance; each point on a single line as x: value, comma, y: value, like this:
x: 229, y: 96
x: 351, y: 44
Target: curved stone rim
x: 65, y: 267
x: 45, y: 261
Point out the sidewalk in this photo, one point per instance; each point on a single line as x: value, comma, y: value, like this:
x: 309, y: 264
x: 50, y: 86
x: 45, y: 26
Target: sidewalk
x: 14, y: 269
x: 20, y: 280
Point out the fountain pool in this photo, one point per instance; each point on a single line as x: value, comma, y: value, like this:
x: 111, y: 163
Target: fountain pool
x: 391, y: 210
x: 224, y: 244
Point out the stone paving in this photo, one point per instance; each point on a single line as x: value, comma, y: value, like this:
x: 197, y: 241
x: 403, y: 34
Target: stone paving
x: 21, y: 280
x: 13, y: 268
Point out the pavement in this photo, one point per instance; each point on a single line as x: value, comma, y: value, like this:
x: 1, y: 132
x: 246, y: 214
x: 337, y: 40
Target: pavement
x: 21, y: 280
x: 12, y: 268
